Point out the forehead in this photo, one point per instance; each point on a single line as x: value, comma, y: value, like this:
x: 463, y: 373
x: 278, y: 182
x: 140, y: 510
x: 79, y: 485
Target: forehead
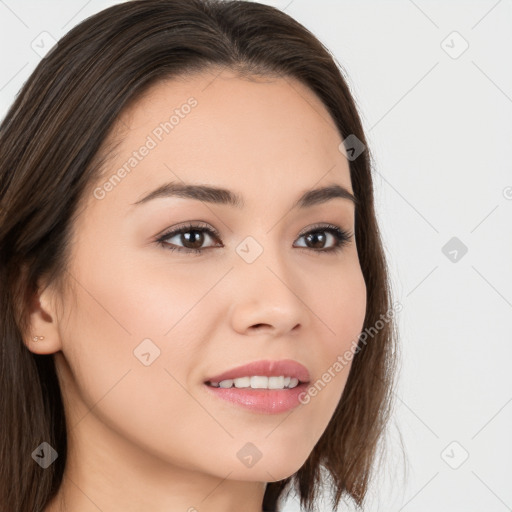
x: 248, y: 134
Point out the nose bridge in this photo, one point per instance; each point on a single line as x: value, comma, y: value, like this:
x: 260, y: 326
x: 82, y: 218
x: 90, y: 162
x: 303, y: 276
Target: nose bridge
x: 266, y: 256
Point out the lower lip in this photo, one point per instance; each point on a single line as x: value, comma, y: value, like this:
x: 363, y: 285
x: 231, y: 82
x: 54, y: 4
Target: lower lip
x: 266, y: 401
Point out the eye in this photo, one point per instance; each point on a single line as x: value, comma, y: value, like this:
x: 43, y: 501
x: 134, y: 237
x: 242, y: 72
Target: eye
x: 316, y: 236
x: 192, y: 236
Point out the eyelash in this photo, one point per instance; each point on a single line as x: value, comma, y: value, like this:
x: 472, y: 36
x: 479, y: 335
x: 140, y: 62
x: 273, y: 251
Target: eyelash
x: 341, y: 236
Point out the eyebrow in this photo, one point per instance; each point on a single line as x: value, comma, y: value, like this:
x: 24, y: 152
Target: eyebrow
x: 217, y: 195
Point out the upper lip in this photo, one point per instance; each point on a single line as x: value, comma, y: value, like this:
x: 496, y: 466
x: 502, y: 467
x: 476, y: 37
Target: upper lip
x: 267, y: 368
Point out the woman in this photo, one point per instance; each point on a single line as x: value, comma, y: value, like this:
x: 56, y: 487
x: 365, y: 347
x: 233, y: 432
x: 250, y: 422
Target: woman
x: 221, y: 373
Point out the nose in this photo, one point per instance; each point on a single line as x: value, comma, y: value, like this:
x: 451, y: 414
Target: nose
x: 269, y: 297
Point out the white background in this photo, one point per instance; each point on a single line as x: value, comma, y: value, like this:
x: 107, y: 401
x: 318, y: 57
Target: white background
x: 440, y: 129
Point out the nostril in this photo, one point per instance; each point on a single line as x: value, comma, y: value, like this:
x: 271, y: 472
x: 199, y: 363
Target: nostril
x: 260, y: 326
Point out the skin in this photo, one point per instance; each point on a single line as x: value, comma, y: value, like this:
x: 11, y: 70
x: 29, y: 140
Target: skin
x: 151, y: 437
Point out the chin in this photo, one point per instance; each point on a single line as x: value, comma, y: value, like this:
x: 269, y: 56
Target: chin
x: 270, y: 469
x: 263, y: 474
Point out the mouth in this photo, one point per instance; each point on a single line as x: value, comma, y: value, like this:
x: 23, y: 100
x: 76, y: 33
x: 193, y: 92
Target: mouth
x: 262, y: 374
x: 257, y: 382
x: 268, y: 387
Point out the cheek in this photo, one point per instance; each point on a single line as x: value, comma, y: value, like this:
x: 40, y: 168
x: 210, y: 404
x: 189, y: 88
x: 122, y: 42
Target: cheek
x: 140, y: 395
x: 341, y: 306
x: 122, y: 319
x: 132, y: 317
x: 130, y: 298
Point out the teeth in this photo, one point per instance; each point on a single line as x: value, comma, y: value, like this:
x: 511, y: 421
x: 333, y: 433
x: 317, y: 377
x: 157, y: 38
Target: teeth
x: 276, y: 382
x: 258, y: 382
x: 242, y: 382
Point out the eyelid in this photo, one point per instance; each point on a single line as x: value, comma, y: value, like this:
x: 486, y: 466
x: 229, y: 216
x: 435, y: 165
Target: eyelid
x: 318, y: 226
x: 190, y: 226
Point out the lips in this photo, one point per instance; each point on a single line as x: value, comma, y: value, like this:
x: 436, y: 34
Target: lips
x: 265, y: 368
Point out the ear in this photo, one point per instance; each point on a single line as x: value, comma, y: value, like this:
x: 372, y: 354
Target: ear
x: 43, y: 322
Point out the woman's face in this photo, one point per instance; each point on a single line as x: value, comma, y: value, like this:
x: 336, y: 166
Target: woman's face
x: 149, y: 325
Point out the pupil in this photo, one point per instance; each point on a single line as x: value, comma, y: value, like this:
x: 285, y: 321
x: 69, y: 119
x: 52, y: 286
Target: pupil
x: 190, y: 239
x: 316, y: 237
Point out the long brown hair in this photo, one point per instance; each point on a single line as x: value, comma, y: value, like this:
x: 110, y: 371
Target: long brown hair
x: 50, y: 143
